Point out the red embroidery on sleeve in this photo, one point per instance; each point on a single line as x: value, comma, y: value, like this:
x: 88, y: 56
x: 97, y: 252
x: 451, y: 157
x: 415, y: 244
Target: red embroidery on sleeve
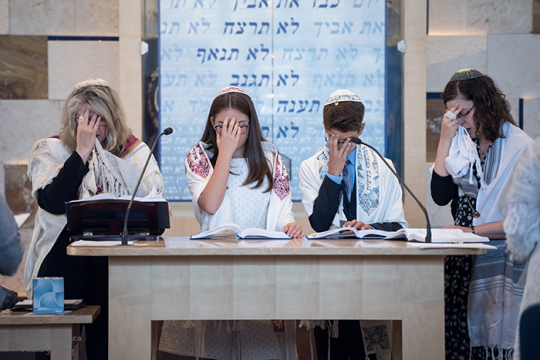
x: 198, y: 162
x: 281, y: 180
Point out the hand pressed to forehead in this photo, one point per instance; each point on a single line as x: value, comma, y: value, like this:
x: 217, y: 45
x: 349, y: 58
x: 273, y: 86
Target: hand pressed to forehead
x: 82, y: 110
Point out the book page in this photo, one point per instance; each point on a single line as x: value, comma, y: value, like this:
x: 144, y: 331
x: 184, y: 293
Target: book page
x: 451, y: 246
x: 107, y: 196
x: 443, y: 236
x: 350, y: 232
x: 262, y: 233
x: 221, y: 231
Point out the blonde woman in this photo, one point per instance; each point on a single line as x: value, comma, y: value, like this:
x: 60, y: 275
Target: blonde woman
x: 95, y: 153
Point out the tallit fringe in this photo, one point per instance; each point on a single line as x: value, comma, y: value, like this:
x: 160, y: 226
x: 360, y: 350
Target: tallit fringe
x: 331, y: 325
x: 104, y: 177
x: 287, y: 340
x: 491, y: 351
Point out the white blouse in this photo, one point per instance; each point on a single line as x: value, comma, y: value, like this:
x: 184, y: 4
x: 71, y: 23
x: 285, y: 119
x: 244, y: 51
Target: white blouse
x: 249, y: 206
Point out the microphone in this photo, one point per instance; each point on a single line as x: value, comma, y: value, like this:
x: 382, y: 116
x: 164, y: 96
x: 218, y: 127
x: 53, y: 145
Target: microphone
x: 428, y: 223
x: 167, y: 131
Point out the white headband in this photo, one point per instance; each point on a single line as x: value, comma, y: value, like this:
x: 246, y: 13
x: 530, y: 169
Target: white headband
x: 230, y: 89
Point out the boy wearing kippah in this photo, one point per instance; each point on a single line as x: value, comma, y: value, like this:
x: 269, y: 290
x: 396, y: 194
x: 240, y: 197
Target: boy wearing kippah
x: 346, y: 184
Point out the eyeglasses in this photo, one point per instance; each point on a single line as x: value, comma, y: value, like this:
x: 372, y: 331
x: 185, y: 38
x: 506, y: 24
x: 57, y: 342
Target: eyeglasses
x: 243, y: 129
x: 340, y: 143
x: 459, y: 116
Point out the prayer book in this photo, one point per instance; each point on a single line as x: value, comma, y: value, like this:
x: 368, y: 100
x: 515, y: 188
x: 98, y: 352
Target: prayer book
x: 233, y: 230
x: 406, y: 234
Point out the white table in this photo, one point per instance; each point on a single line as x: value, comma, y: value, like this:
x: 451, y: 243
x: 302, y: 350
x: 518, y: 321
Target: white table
x: 179, y: 279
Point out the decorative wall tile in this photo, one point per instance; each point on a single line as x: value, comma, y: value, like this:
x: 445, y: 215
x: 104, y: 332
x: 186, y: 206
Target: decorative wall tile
x: 4, y: 17
x: 435, y: 110
x: 499, y: 17
x: 447, y: 54
x: 42, y: 17
x: 512, y: 61
x: 71, y: 62
x: 103, y: 20
x: 23, y: 67
x: 447, y: 17
x: 531, y: 117
x: 23, y: 122
x: 64, y: 17
x: 439, y: 216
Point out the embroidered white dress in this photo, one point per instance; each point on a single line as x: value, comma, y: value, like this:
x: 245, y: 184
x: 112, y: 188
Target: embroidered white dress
x: 249, y: 208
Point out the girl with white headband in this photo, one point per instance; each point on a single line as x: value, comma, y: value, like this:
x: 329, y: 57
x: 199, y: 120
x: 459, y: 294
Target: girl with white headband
x: 236, y: 176
x: 478, y: 148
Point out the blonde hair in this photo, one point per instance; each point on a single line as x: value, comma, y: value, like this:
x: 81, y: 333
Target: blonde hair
x: 103, y: 101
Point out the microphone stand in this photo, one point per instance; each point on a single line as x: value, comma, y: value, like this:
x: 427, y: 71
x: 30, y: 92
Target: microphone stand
x: 428, y: 223
x: 167, y: 131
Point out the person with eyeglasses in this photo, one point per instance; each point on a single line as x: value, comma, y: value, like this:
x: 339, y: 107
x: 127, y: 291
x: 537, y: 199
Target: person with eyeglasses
x: 236, y: 176
x: 346, y: 184
x: 478, y: 148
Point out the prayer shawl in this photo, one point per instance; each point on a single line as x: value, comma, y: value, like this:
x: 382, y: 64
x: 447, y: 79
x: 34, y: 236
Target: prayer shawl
x: 108, y: 174
x: 461, y: 160
x: 199, y: 171
x: 521, y: 205
x: 498, y: 167
x: 379, y: 199
x: 494, y: 294
x: 378, y: 194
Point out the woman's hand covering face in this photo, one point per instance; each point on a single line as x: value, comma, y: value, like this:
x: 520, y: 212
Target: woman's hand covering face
x: 86, y: 132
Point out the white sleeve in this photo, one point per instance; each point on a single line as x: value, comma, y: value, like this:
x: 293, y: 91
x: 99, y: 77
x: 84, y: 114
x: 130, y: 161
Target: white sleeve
x: 396, y: 212
x: 309, y: 185
x: 520, y: 204
x: 152, y: 179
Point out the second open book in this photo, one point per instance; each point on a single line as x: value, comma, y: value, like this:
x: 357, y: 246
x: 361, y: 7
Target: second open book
x: 234, y: 230
x: 438, y: 235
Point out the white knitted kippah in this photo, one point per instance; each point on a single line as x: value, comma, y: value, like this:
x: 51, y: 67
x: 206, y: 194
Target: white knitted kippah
x: 342, y: 95
x: 93, y: 81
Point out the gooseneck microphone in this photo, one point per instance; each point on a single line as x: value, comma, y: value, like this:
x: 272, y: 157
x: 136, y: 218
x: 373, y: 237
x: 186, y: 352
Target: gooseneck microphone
x: 428, y: 223
x: 167, y: 131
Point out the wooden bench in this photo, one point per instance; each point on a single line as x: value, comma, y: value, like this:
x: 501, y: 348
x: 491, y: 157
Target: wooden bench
x: 59, y: 334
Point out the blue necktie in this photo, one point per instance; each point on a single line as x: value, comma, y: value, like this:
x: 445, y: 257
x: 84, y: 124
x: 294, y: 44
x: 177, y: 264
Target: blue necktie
x: 347, y: 179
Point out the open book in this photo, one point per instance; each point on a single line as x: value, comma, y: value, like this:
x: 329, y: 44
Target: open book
x: 437, y: 235
x: 106, y: 196
x: 234, y: 230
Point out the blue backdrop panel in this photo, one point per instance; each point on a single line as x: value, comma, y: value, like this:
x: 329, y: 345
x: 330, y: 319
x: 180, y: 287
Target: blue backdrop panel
x: 290, y: 55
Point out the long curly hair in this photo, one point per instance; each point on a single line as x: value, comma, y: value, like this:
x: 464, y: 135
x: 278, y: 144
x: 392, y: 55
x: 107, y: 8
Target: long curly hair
x: 258, y: 164
x: 103, y: 101
x: 491, y: 109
